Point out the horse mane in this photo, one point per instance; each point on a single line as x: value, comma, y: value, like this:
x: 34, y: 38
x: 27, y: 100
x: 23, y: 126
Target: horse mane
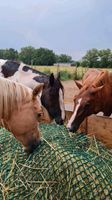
x: 101, y: 78
x: 12, y: 96
x: 95, y: 78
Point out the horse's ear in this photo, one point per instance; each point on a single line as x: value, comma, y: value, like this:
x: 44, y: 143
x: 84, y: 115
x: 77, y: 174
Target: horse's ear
x: 51, y: 79
x: 37, y: 90
x: 79, y: 84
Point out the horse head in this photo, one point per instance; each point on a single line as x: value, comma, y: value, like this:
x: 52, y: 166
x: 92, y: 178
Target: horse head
x: 21, y: 111
x: 88, y: 101
x: 53, y: 99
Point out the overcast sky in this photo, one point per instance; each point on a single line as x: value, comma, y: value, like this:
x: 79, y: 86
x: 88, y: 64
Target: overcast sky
x: 65, y: 26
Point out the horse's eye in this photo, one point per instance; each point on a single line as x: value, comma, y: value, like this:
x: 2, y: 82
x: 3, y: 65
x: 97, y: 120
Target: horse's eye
x: 39, y: 115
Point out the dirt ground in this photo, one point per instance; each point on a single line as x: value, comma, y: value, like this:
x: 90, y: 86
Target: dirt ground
x: 70, y: 89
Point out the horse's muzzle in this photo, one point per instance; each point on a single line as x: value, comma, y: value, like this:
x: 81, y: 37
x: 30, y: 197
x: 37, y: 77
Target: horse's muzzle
x: 60, y: 122
x: 32, y: 146
x: 73, y: 128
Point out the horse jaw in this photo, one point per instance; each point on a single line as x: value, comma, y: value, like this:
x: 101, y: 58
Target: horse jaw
x: 46, y: 117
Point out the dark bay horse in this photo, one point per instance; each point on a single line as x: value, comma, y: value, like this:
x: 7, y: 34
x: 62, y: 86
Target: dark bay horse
x: 95, y: 96
x: 52, y: 95
x: 21, y: 111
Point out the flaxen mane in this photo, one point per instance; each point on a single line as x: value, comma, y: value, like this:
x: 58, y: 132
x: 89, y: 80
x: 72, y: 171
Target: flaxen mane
x: 12, y: 96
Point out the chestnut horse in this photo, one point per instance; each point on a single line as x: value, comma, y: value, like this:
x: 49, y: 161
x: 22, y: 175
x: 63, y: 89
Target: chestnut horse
x: 21, y: 111
x: 52, y: 96
x: 95, y: 96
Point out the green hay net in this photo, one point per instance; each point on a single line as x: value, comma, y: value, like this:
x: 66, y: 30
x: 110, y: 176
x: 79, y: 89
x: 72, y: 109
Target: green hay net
x: 66, y: 166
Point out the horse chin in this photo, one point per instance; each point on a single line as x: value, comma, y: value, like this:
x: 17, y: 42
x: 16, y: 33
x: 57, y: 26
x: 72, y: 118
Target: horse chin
x: 73, y: 129
x: 59, y: 122
x: 32, y: 147
x: 75, y: 126
x: 46, y: 117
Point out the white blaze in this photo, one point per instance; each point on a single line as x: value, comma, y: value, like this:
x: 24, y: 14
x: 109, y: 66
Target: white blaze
x: 61, y: 102
x: 74, y: 114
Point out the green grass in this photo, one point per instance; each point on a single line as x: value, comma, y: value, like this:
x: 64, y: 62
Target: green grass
x: 66, y: 73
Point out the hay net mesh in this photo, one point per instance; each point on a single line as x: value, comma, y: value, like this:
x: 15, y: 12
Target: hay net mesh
x: 64, y: 167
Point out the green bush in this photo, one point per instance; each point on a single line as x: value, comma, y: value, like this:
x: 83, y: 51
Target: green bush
x: 65, y: 75
x: 75, y: 75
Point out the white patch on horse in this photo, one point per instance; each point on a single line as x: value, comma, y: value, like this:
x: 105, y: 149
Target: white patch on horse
x: 74, y: 114
x: 25, y: 77
x: 21, y: 67
x: 2, y: 62
x: 61, y: 102
x: 40, y: 94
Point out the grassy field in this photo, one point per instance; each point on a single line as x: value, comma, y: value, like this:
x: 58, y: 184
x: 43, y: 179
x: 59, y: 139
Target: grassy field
x: 66, y: 73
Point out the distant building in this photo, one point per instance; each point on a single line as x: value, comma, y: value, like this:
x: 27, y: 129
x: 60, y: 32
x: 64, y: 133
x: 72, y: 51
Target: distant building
x: 63, y: 64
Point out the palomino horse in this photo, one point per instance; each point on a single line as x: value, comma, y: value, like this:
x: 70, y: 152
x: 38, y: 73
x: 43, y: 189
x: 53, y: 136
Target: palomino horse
x: 20, y: 112
x: 95, y: 96
x: 53, y: 93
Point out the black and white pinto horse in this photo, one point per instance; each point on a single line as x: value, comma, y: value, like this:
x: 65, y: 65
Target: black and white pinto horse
x: 52, y: 96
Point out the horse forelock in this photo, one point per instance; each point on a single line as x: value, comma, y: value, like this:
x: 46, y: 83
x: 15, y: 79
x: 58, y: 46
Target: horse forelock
x: 13, y: 96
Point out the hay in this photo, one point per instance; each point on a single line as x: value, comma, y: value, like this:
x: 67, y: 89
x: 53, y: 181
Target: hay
x: 65, y: 166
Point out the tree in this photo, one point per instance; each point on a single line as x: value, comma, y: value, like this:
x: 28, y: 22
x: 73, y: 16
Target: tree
x: 26, y: 54
x: 97, y: 58
x: 43, y: 56
x: 105, y: 58
x: 63, y: 58
x: 10, y: 54
x: 91, y: 59
x: 1, y: 53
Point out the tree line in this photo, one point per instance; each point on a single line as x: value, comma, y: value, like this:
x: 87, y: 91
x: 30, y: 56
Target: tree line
x: 97, y: 58
x: 93, y: 58
x: 33, y: 56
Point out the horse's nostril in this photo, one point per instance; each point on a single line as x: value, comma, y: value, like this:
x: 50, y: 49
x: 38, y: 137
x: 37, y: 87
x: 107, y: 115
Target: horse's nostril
x: 70, y: 129
x: 60, y: 122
